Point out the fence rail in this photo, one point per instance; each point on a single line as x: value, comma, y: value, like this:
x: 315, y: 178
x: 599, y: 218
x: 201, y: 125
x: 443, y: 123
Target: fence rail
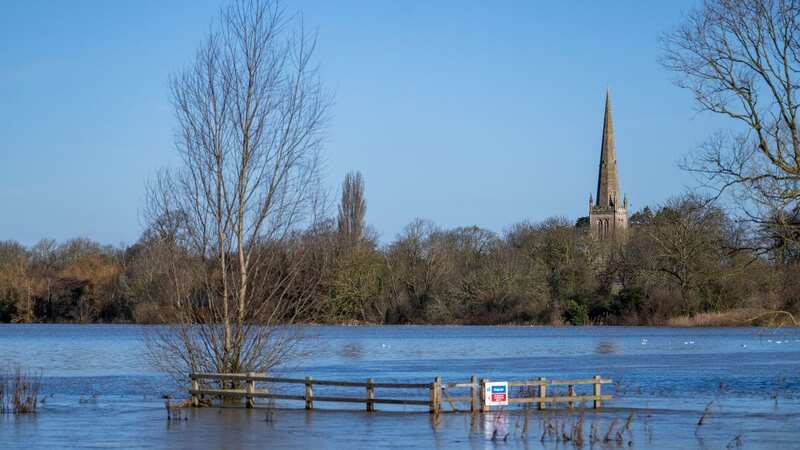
x: 243, y: 385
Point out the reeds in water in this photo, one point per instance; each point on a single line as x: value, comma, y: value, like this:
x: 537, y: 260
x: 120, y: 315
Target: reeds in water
x: 19, y: 391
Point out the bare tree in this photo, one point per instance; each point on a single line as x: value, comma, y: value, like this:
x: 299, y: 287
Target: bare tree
x: 251, y: 112
x: 15, y: 283
x: 685, y: 242
x: 352, y: 208
x: 741, y: 59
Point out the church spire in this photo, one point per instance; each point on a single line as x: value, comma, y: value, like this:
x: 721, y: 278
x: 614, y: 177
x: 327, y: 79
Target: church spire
x: 607, y: 180
x: 609, y: 216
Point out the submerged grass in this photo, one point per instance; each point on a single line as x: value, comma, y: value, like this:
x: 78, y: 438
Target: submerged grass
x: 19, y: 391
x: 706, y: 413
x: 569, y: 431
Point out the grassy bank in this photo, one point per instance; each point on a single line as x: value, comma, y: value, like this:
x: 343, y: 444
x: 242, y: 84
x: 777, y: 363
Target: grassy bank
x: 735, y: 318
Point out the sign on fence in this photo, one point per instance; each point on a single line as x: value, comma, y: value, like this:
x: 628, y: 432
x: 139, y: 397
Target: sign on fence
x: 496, y: 393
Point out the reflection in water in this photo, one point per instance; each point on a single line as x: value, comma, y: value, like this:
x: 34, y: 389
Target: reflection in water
x: 495, y: 426
x: 744, y: 373
x: 352, y: 351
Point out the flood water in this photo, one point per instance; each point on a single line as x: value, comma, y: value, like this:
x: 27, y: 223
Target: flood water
x: 100, y: 391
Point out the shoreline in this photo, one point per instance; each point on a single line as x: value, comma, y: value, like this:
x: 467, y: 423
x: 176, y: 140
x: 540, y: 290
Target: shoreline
x: 734, y: 318
x: 411, y: 325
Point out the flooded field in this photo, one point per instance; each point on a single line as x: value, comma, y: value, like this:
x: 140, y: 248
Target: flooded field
x: 100, y: 391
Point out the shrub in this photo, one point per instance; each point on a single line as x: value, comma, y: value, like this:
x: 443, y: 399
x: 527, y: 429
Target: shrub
x: 575, y: 313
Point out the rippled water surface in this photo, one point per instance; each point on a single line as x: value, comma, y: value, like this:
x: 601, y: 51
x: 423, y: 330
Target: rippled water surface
x: 101, y: 392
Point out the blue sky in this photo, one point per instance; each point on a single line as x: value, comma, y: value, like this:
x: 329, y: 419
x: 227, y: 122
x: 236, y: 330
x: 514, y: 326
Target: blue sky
x: 463, y: 113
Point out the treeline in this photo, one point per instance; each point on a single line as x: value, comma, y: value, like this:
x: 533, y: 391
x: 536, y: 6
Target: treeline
x: 680, y: 259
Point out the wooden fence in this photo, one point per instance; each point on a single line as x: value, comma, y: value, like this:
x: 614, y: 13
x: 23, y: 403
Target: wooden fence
x: 530, y: 391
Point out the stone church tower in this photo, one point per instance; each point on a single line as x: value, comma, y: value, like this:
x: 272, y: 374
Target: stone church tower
x: 608, y: 217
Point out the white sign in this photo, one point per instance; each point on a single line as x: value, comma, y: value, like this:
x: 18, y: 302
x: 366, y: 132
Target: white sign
x: 496, y: 393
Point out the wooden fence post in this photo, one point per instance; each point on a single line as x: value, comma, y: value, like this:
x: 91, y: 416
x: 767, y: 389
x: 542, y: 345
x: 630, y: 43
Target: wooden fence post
x: 370, y: 396
x: 195, y: 387
x: 432, y: 399
x: 484, y: 406
x: 251, y: 389
x: 542, y: 393
x: 438, y: 382
x: 436, y: 389
x: 473, y: 396
x: 597, y: 391
x: 309, y: 394
x: 571, y: 393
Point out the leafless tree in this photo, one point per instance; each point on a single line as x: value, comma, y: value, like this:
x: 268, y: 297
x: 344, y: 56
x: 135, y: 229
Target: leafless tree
x: 251, y: 113
x: 741, y: 59
x: 685, y: 242
x: 418, y: 269
x: 352, y: 208
x: 15, y: 282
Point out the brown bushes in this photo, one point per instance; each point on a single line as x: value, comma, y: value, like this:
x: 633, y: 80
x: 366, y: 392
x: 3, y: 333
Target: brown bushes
x: 735, y: 318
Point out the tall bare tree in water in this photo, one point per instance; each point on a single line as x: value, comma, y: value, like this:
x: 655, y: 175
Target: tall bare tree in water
x: 741, y: 60
x: 352, y: 208
x: 250, y: 113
